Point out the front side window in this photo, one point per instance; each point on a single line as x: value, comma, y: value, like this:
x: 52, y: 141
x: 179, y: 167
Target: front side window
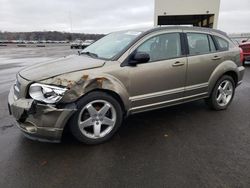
x: 198, y: 43
x: 162, y: 47
x: 222, y: 43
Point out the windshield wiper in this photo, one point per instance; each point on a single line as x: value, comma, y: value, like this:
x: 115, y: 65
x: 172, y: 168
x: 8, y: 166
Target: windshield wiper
x: 90, y: 54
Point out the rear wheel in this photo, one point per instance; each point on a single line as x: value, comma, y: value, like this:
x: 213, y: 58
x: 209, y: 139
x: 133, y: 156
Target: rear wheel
x: 222, y: 94
x: 98, y: 117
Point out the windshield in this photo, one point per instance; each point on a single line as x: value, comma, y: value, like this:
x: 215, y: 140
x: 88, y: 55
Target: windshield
x: 111, y: 45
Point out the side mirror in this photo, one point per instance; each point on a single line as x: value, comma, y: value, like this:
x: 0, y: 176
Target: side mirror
x: 139, y: 57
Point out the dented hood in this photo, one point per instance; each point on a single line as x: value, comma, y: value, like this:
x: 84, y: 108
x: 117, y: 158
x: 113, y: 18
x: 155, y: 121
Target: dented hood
x: 60, y: 66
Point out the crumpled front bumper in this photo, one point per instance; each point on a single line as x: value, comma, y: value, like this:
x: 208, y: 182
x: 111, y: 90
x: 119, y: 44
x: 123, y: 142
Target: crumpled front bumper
x: 39, y: 121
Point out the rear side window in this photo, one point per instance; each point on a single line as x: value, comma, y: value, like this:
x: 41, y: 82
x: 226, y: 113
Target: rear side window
x: 222, y: 43
x: 198, y: 43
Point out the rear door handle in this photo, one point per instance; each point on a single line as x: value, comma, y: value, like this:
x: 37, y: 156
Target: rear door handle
x: 216, y: 58
x: 178, y: 64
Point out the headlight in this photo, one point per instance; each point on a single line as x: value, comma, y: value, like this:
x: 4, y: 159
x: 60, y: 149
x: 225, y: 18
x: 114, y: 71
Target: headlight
x: 46, y: 93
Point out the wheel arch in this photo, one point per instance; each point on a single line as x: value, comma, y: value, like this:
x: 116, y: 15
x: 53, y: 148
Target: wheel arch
x: 105, y: 83
x: 115, y: 95
x: 234, y: 75
x: 112, y: 93
x: 226, y: 68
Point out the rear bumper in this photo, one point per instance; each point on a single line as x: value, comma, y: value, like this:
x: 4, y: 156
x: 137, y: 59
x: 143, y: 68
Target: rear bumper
x: 39, y: 121
x: 247, y: 58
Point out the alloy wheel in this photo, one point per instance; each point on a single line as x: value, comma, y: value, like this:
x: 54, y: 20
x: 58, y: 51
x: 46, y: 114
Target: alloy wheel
x: 224, y: 93
x: 97, y: 119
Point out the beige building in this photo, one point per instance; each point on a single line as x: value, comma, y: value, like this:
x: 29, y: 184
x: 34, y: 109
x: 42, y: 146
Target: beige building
x: 202, y: 13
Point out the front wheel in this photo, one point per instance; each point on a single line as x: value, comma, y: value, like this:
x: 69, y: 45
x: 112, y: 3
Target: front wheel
x: 222, y: 94
x: 98, y: 117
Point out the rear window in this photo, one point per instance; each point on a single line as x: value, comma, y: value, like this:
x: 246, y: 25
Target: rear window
x: 222, y: 43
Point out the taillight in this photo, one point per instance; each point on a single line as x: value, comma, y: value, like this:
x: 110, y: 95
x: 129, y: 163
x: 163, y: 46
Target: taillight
x: 241, y: 56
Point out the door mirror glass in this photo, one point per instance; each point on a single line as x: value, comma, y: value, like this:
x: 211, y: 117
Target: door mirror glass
x: 139, y: 57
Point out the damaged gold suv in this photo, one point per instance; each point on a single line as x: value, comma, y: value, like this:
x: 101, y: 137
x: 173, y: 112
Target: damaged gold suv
x: 125, y: 73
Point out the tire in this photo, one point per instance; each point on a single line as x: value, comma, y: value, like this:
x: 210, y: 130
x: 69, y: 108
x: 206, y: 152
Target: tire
x: 221, y: 98
x: 91, y: 127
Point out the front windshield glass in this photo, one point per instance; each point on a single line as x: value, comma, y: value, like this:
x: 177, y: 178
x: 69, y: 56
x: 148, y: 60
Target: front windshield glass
x: 111, y: 45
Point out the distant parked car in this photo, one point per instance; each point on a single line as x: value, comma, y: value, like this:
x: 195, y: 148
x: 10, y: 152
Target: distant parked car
x: 86, y: 43
x: 77, y: 44
x: 245, y: 46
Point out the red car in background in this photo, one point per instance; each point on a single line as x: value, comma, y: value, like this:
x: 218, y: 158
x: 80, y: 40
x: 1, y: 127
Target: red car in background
x: 245, y: 46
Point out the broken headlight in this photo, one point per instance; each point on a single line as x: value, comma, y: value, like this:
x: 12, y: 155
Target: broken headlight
x: 46, y: 93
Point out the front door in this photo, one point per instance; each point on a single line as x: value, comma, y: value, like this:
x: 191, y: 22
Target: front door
x: 159, y: 82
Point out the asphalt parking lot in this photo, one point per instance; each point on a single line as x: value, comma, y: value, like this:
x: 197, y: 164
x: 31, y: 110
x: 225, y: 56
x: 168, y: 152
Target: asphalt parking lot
x: 182, y: 146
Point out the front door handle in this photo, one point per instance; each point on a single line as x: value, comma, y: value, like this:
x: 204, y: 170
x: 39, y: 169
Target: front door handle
x: 178, y: 64
x: 216, y: 58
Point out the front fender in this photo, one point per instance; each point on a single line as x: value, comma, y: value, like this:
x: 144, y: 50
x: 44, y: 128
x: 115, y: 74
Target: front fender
x: 79, y: 84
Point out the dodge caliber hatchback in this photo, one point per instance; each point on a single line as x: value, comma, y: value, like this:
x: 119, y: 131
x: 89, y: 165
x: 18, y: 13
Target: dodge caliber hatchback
x: 125, y: 73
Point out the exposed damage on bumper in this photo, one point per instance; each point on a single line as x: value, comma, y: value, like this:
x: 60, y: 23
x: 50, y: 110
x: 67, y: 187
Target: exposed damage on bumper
x: 39, y: 121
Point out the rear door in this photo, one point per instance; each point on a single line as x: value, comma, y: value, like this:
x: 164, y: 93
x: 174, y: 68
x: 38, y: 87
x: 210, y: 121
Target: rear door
x: 202, y: 60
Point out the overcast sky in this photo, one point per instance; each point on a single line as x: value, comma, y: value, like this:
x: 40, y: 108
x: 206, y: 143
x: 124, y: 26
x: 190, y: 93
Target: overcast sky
x: 102, y: 16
